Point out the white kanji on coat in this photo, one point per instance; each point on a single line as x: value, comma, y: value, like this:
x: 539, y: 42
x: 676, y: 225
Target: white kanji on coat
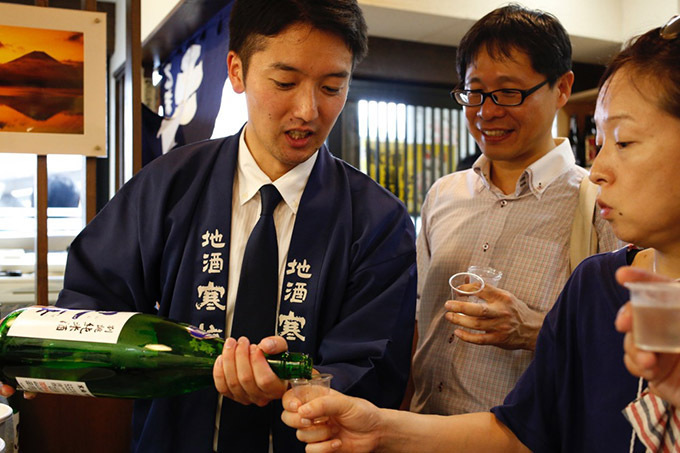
x: 301, y: 269
x: 213, y: 262
x: 214, y: 239
x: 295, y: 293
x: 291, y: 326
x: 210, y: 296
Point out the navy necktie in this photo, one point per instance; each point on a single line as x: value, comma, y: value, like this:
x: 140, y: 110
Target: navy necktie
x: 255, y: 310
x: 245, y: 429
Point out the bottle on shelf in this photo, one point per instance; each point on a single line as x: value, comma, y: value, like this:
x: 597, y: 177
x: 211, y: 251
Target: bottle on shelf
x: 589, y: 141
x: 576, y: 141
x: 114, y: 354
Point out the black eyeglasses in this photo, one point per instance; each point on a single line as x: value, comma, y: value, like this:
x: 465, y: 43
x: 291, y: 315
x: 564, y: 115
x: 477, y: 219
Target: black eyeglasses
x: 672, y: 28
x: 506, y: 97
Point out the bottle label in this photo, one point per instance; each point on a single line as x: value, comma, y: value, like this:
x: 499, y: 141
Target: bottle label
x: 52, y: 323
x: 53, y: 386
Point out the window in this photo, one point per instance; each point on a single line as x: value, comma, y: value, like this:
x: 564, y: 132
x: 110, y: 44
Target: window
x: 404, y: 137
x: 65, y: 215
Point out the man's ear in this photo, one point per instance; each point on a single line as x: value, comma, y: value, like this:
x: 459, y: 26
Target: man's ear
x: 235, y: 72
x: 564, y: 84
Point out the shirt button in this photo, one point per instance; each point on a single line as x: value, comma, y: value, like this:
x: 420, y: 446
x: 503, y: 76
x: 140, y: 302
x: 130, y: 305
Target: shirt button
x: 453, y: 335
x: 504, y: 203
x: 440, y: 387
x: 485, y: 247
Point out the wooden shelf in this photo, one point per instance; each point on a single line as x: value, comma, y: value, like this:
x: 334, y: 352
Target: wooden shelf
x: 580, y: 104
x: 587, y: 96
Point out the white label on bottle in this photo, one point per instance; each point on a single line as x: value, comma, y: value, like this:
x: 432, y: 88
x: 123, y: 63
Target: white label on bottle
x: 53, y: 386
x: 52, y: 323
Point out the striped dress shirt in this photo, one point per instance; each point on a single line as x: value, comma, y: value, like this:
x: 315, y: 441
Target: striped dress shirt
x: 656, y: 423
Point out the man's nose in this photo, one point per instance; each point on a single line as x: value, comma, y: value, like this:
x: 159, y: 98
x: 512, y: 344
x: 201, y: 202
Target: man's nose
x: 489, y: 109
x: 307, y: 106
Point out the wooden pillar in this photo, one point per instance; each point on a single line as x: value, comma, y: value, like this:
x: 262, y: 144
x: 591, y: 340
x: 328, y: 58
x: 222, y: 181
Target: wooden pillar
x: 90, y: 162
x: 40, y: 244
x: 133, y: 82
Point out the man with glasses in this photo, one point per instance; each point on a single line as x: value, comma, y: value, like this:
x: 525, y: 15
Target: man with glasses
x: 512, y: 211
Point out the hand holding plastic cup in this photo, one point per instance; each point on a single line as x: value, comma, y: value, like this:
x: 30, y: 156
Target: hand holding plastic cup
x: 308, y: 389
x: 458, y: 281
x: 490, y: 276
x: 482, y: 275
x: 656, y: 315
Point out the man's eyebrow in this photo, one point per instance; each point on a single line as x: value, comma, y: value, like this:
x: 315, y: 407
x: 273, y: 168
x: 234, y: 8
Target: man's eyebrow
x: 285, y: 67
x: 501, y: 79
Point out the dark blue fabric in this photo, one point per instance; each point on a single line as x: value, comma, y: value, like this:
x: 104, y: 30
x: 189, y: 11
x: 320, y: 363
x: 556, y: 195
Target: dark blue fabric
x: 255, y: 318
x: 145, y: 247
x: 213, y: 37
x: 255, y: 310
x: 571, y: 397
x: 151, y: 143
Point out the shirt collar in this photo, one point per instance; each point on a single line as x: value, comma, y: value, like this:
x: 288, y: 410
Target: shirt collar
x: 548, y: 168
x: 251, y: 177
x: 537, y: 176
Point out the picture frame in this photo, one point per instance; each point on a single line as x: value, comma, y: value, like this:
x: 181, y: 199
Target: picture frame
x: 52, y: 81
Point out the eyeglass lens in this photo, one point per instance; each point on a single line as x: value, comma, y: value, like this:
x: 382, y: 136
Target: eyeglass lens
x: 504, y: 97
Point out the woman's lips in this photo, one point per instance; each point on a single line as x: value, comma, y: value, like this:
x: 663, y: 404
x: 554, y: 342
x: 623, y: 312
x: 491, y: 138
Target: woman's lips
x: 605, y: 209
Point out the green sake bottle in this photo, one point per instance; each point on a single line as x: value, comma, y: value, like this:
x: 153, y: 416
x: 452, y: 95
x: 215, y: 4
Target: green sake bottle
x: 114, y: 354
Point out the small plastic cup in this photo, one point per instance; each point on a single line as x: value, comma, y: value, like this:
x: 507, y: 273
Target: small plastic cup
x: 308, y: 389
x: 6, y: 426
x: 456, y: 282
x: 656, y: 315
x: 490, y: 275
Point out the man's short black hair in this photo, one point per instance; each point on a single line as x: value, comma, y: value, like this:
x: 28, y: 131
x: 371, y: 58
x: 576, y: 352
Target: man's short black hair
x: 513, y: 27
x: 251, y: 20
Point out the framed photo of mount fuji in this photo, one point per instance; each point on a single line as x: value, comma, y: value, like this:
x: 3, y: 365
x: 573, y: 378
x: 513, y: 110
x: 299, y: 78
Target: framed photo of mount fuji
x: 52, y: 81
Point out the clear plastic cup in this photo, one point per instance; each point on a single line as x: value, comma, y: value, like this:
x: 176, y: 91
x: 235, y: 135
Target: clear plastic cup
x: 308, y: 389
x: 6, y: 427
x: 656, y: 315
x: 457, y: 282
x: 490, y: 275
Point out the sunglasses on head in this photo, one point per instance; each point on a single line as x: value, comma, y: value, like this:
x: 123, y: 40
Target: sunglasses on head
x: 672, y: 28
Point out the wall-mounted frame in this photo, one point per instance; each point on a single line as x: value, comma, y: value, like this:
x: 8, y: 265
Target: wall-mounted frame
x: 52, y: 81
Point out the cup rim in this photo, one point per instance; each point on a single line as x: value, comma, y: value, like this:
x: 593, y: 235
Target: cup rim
x: 654, y: 294
x: 315, y: 377
x: 5, y: 412
x: 469, y: 274
x: 497, y: 274
x: 661, y: 286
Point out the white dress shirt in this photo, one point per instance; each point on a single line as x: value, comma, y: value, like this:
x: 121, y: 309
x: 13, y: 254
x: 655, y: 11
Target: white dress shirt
x: 245, y: 212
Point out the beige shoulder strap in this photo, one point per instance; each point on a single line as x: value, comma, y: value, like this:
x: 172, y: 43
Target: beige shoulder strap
x: 583, y: 241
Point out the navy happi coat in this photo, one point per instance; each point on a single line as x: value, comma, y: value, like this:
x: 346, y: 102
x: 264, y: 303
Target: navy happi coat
x: 356, y: 242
